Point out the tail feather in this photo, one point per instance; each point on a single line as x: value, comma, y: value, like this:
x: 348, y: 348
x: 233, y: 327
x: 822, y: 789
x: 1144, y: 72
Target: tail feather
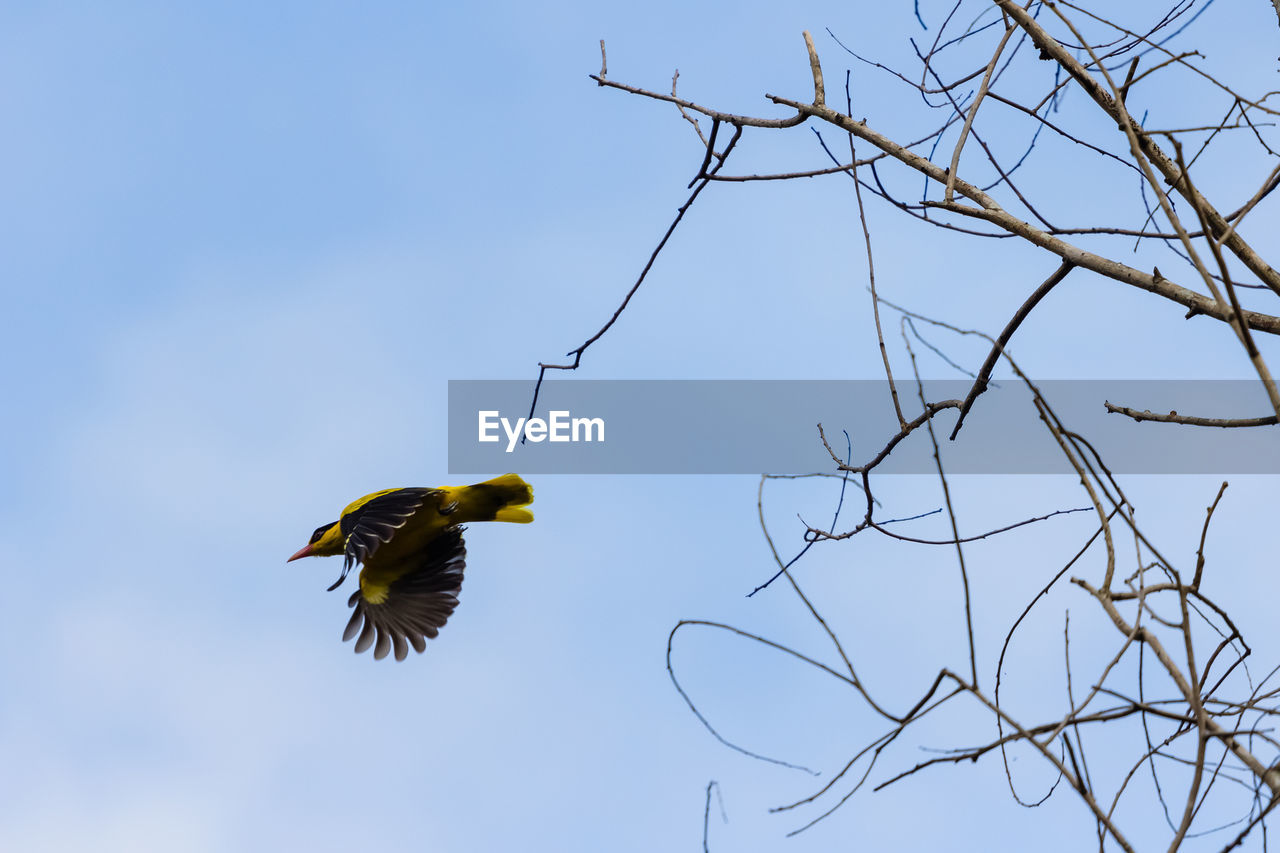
x: 516, y: 515
x: 499, y: 499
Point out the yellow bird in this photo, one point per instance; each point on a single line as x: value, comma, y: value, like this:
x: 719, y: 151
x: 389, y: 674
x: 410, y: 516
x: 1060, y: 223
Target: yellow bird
x: 409, y: 542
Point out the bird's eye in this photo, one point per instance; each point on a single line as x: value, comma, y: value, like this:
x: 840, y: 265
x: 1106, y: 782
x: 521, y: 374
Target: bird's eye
x: 320, y: 531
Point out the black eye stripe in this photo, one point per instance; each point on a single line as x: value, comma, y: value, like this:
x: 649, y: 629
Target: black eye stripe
x: 320, y: 531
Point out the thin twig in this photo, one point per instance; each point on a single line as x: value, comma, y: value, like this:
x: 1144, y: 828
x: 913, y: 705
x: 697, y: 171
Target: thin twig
x: 1189, y: 420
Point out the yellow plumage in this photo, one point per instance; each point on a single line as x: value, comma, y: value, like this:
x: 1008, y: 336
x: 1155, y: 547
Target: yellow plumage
x: 409, y: 543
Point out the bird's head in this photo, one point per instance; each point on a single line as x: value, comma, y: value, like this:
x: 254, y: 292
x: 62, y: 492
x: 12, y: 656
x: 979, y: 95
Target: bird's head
x: 325, y: 542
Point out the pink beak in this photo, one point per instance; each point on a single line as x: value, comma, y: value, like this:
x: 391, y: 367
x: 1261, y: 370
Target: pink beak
x: 304, y: 552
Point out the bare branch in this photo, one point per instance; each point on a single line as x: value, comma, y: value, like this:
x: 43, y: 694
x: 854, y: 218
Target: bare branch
x: 1190, y: 420
x: 997, y: 349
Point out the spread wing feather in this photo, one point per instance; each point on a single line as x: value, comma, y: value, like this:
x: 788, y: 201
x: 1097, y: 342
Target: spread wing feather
x: 417, y: 604
x: 375, y: 522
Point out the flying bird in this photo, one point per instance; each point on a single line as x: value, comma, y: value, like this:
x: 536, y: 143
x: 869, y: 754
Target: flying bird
x: 409, y: 542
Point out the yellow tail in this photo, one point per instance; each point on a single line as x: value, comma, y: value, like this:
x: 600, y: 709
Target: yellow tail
x: 500, y: 499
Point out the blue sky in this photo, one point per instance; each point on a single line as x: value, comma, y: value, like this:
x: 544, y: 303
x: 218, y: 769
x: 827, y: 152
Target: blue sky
x: 245, y: 250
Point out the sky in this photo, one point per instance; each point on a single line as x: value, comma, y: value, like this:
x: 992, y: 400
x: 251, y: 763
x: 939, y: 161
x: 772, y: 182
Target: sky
x: 245, y: 249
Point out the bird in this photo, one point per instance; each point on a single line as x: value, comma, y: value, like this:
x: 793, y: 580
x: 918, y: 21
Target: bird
x: 409, y: 544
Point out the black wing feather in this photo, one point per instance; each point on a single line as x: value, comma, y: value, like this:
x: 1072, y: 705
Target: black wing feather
x: 417, y: 604
x: 376, y: 522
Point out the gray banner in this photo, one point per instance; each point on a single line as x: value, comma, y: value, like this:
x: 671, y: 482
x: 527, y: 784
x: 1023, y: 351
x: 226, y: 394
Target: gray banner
x: 756, y: 426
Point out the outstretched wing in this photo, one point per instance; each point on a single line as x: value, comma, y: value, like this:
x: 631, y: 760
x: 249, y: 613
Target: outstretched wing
x: 415, y: 605
x: 368, y: 524
x: 377, y: 520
